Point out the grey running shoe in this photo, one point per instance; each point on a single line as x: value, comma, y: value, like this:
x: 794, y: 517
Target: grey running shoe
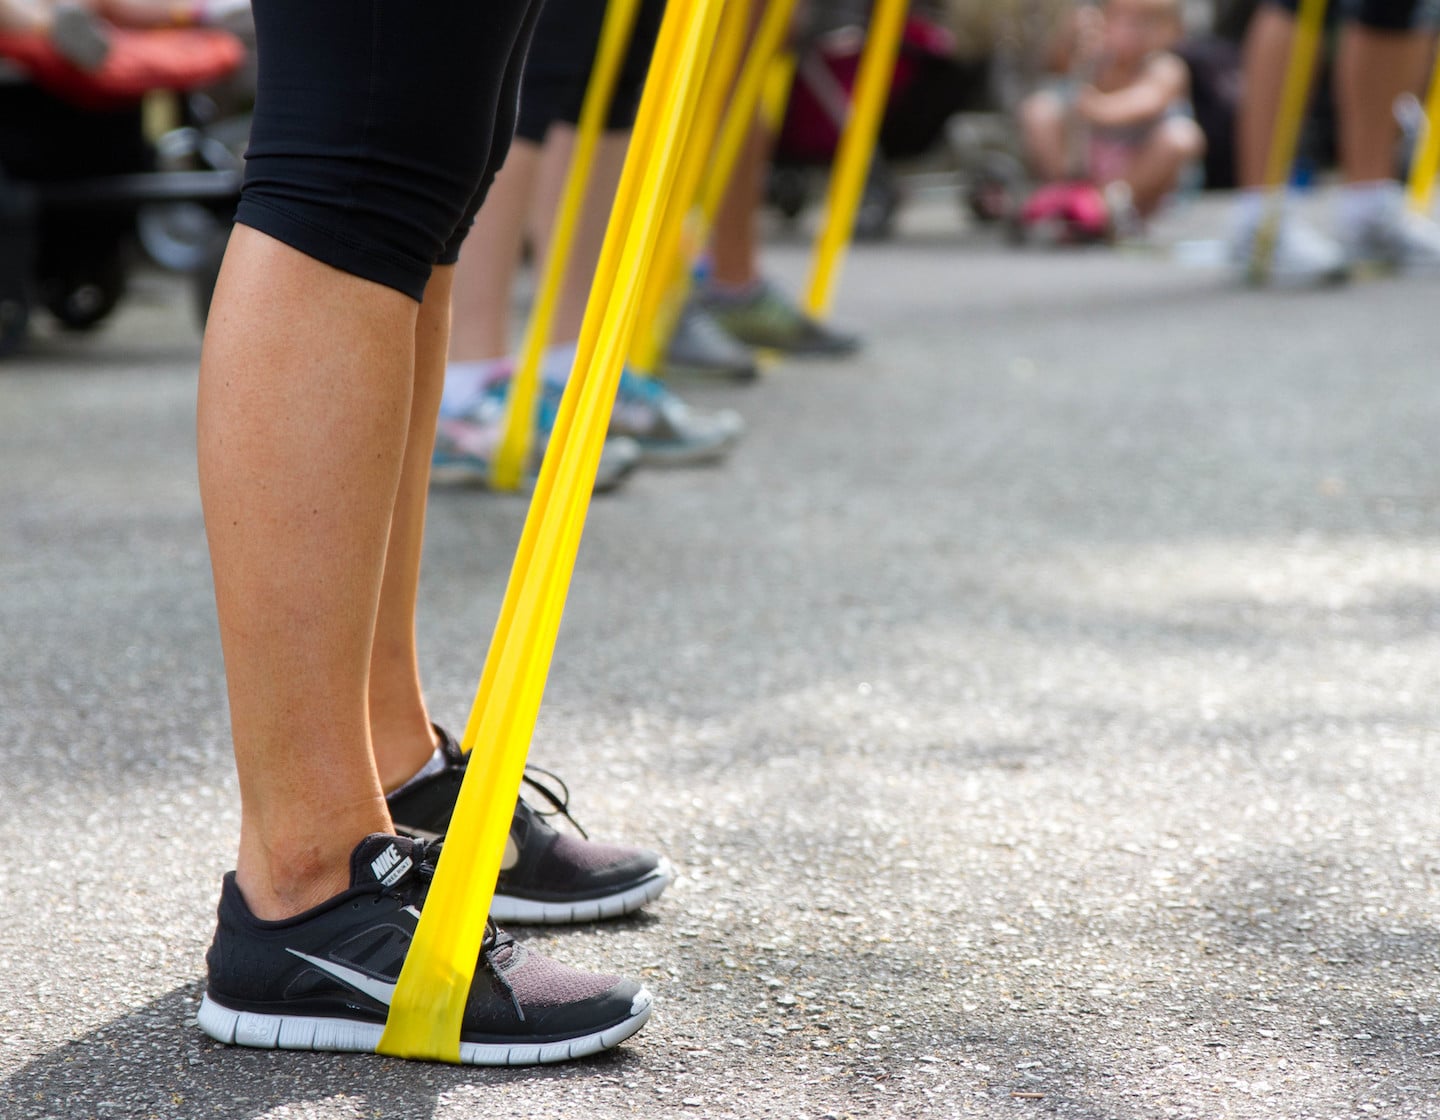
x: 547, y: 876
x: 669, y: 432
x: 700, y: 347
x: 768, y: 321
x: 1303, y: 257
x: 1398, y: 240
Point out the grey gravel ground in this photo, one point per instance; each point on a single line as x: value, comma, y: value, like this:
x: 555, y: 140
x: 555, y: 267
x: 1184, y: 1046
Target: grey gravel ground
x: 1041, y: 710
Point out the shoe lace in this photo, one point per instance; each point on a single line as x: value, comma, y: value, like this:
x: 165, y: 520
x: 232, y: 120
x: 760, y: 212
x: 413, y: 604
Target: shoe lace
x: 494, y: 940
x: 413, y: 888
x: 559, y: 801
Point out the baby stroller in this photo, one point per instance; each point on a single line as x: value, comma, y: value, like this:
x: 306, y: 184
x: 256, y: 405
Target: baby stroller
x: 80, y: 185
x: 959, y: 68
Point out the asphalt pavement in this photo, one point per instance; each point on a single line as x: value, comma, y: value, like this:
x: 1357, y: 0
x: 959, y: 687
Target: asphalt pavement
x: 1041, y: 709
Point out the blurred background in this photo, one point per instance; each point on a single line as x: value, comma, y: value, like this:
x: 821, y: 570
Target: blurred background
x: 123, y: 126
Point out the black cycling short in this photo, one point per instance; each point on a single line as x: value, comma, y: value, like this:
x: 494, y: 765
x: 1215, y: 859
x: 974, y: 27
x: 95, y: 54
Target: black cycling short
x: 379, y: 126
x: 553, y: 89
x: 1381, y: 15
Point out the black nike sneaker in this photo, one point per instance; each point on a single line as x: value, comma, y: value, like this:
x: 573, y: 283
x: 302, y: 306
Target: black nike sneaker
x: 323, y: 980
x: 546, y: 877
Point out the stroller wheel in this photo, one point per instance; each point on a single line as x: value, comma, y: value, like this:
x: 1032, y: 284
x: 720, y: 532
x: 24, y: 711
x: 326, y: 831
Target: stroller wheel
x: 14, y: 323
x: 989, y: 201
x: 176, y: 235
x: 789, y: 192
x: 1016, y: 232
x: 878, y: 206
x: 84, y: 296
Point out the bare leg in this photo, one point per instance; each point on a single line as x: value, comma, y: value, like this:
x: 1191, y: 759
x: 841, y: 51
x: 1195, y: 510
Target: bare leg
x: 1157, y: 167
x: 485, y: 276
x: 735, y: 248
x: 1372, y: 70
x: 594, y: 218
x: 399, y: 721
x: 1267, y: 50
x: 1042, y: 120
x: 305, y: 397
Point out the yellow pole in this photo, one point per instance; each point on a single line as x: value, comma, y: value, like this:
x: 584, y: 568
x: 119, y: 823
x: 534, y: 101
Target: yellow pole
x: 1299, y: 72
x: 857, y: 148
x: 518, y: 434
x: 1426, y: 159
x: 734, y: 131
x: 658, y: 307
x: 779, y: 78
x: 429, y: 1001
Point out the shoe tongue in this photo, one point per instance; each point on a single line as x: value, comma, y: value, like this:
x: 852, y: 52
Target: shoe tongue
x: 382, y: 859
x: 500, y: 947
x: 449, y: 746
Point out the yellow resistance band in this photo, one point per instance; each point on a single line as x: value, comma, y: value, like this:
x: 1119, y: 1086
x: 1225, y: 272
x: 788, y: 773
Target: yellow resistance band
x: 1426, y: 160
x: 660, y: 303
x: 1299, y: 72
x: 779, y: 79
x: 519, y: 428
x: 734, y: 131
x: 857, y: 149
x: 429, y: 1002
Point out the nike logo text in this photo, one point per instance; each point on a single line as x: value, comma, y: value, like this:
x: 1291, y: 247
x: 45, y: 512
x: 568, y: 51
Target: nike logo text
x: 388, y: 866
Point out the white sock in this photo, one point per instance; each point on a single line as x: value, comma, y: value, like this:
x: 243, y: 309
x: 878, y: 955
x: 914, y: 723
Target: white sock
x: 464, y: 381
x: 1358, y: 206
x: 434, y: 765
x: 557, y: 363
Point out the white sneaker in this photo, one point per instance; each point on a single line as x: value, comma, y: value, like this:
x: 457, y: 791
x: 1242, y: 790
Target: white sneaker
x: 1303, y: 257
x: 1398, y: 239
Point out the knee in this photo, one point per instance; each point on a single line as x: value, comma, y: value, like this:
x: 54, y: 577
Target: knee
x: 1042, y: 126
x: 1182, y: 139
x: 1041, y: 113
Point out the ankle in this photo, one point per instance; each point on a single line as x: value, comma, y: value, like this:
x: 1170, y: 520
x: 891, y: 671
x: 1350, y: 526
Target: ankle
x: 727, y: 291
x: 279, y: 888
x: 283, y: 871
x: 402, y: 748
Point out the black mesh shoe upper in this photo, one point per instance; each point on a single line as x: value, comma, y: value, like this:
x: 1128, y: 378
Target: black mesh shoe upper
x: 541, y: 863
x: 342, y: 958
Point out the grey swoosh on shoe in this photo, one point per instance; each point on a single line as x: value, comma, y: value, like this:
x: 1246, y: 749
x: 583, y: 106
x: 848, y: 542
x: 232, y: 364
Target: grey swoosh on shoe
x: 377, y: 990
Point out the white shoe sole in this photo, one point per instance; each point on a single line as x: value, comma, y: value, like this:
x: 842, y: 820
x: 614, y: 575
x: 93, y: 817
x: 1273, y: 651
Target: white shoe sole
x: 302, y: 1032
x: 680, y: 454
x: 512, y: 910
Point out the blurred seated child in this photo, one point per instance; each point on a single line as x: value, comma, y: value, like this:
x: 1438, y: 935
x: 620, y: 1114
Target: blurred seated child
x: 1122, y: 121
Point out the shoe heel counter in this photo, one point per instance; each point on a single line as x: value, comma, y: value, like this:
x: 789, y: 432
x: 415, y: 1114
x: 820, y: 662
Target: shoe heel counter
x: 229, y: 922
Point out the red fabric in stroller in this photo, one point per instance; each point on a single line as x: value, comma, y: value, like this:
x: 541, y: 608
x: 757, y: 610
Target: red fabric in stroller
x: 138, y: 62
x: 819, y: 100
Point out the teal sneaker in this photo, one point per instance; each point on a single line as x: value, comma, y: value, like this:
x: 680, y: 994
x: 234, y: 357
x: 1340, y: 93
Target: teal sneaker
x: 669, y: 432
x: 466, y: 442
